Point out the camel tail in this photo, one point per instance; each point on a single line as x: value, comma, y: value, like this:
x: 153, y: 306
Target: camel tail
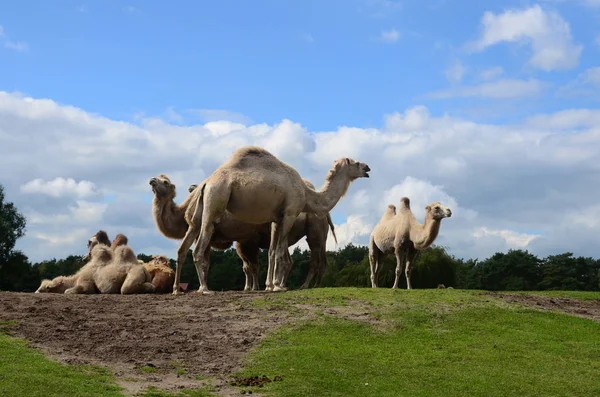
x: 332, y: 228
x: 197, y: 217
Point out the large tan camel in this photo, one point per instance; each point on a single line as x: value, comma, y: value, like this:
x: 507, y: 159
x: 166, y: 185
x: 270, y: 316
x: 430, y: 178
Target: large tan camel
x: 107, y: 272
x: 400, y: 233
x: 256, y: 187
x: 161, y: 273
x: 314, y: 226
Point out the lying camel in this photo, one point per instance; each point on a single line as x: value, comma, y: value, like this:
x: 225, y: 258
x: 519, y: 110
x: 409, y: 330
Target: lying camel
x: 314, y: 226
x: 107, y: 272
x: 162, y: 275
x: 400, y: 233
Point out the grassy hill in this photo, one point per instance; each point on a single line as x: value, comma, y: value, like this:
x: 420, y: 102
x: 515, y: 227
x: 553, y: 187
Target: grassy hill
x: 365, y: 342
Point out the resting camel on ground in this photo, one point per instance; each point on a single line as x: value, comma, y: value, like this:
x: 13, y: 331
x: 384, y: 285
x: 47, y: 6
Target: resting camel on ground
x: 401, y: 234
x: 314, y: 226
x: 107, y: 272
x: 161, y: 273
x: 256, y: 187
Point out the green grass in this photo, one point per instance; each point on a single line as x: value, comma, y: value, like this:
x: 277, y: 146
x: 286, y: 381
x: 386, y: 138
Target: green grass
x: 429, y: 343
x: 26, y: 372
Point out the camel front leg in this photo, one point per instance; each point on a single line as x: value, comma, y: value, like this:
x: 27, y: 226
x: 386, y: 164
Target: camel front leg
x: 410, y: 258
x: 374, y: 259
x: 182, y: 251
x: 248, y: 253
x: 283, y: 263
x: 314, y: 267
x: 399, y: 256
x: 201, y: 254
x: 272, y: 255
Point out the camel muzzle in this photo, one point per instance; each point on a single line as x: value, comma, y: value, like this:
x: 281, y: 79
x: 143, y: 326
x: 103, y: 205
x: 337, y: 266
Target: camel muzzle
x: 152, y: 181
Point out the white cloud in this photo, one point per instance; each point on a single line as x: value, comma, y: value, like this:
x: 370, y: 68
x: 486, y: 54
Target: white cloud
x: 586, y: 83
x: 509, y: 178
x: 546, y: 31
x: 208, y: 115
x: 455, y: 72
x: 389, y: 36
x: 500, y: 89
x: 491, y: 73
x: 19, y: 46
x: 511, y: 238
x: 60, y: 187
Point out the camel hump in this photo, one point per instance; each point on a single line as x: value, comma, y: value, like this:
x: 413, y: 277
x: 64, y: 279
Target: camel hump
x: 405, y: 201
x: 119, y: 240
x: 124, y: 253
x: 392, y: 208
x: 102, y: 237
x: 251, y: 151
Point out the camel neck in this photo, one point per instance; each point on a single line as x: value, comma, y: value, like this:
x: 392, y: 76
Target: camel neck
x: 425, y: 234
x: 169, y: 218
x: 325, y: 199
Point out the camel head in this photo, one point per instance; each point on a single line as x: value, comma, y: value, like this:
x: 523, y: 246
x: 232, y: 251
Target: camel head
x: 162, y: 187
x: 192, y: 187
x: 101, y: 237
x: 438, y: 211
x: 56, y: 286
x: 45, y: 286
x: 350, y: 168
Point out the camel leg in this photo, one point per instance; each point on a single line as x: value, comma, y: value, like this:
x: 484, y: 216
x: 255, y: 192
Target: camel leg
x: 248, y: 253
x: 322, y: 265
x: 201, y: 254
x: 314, y: 268
x: 400, y: 254
x: 410, y: 257
x: 374, y: 261
x: 184, y: 247
x: 272, y: 251
x: 283, y: 263
x: 135, y: 282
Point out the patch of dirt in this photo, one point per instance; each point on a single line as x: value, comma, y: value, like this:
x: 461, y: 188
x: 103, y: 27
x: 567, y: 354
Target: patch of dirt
x: 146, y: 340
x: 586, y: 309
x: 256, y: 380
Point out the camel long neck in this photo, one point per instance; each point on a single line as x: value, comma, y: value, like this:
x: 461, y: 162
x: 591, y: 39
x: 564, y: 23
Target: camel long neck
x: 423, y: 235
x: 169, y: 218
x: 324, y: 200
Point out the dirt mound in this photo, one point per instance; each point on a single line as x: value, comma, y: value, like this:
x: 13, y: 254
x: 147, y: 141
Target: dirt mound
x: 587, y: 308
x: 147, y: 338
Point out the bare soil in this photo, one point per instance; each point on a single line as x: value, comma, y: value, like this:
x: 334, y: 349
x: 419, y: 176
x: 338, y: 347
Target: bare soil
x: 147, y: 340
x: 586, y: 309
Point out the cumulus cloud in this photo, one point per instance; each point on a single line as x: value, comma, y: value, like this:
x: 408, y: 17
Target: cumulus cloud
x: 60, y: 187
x: 548, y: 34
x: 501, y: 181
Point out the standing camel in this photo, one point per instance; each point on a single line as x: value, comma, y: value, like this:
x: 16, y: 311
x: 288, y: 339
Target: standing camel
x: 256, y: 187
x: 400, y: 233
x: 314, y: 226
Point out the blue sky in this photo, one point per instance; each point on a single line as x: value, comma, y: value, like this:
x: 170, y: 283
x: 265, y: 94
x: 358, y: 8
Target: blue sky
x: 490, y: 107
x: 319, y: 61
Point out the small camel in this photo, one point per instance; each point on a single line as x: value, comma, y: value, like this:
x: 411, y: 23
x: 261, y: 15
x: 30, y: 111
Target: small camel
x: 107, y: 272
x: 256, y: 187
x: 314, y: 226
x: 400, y: 233
x: 161, y: 273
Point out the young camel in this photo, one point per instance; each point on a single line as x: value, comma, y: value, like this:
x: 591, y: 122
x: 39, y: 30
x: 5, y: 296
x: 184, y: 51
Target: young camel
x: 256, y: 187
x: 314, y: 226
x: 161, y: 274
x: 401, y: 234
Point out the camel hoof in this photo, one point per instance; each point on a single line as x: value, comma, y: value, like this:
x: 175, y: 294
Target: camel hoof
x: 277, y: 288
x: 206, y: 292
x: 177, y: 292
x: 269, y: 289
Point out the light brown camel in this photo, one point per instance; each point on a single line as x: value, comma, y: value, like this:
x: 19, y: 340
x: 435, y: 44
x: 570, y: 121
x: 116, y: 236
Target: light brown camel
x: 161, y: 273
x: 107, y: 272
x: 314, y: 226
x: 404, y: 236
x: 256, y: 187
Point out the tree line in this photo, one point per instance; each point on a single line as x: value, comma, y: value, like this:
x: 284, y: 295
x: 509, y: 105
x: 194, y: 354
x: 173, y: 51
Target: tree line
x: 515, y: 270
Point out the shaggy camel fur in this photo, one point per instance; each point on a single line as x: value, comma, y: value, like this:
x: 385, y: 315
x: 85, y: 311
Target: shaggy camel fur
x: 256, y: 187
x: 402, y: 235
x: 107, y: 272
x: 314, y: 226
x: 161, y: 274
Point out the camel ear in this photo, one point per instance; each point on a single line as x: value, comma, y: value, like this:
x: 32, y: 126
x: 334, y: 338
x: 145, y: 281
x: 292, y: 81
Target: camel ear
x: 428, y: 208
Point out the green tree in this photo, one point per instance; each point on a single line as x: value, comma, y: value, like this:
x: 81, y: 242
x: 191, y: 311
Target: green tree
x: 512, y: 271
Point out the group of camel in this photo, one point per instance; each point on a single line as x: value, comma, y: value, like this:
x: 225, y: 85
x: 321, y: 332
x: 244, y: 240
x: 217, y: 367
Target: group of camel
x: 257, y: 201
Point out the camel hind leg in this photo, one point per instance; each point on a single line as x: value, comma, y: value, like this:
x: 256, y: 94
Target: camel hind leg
x: 283, y: 263
x: 248, y: 253
x: 400, y: 255
x: 315, y: 263
x: 136, y: 282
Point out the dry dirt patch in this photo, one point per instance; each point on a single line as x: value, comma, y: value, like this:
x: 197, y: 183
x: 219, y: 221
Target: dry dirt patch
x: 586, y: 308
x: 161, y: 340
